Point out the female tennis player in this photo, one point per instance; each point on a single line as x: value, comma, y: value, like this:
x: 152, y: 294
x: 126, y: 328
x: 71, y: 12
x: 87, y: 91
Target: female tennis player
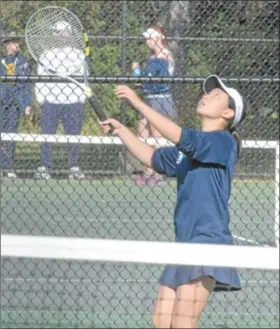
x: 203, y: 162
x: 158, y: 95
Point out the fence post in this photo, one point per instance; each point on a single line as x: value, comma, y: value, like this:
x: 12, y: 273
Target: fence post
x: 123, y: 115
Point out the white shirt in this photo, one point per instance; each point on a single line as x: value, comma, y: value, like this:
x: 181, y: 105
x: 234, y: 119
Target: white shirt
x: 61, y: 60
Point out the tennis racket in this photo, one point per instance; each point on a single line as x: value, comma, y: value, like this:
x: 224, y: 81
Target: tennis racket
x: 56, y: 39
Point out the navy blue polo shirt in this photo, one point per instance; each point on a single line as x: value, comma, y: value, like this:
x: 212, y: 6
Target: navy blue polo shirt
x: 203, y: 163
x: 18, y: 93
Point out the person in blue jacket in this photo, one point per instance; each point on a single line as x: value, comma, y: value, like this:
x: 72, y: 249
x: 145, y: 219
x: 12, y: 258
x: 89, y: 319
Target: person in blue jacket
x: 15, y: 99
x: 157, y: 95
x: 203, y: 163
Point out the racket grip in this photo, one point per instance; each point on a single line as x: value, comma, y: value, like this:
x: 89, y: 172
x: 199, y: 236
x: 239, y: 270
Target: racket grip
x: 97, y: 108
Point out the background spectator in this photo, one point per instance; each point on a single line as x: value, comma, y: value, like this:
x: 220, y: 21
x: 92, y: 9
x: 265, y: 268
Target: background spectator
x: 15, y: 98
x: 157, y: 95
x: 60, y: 101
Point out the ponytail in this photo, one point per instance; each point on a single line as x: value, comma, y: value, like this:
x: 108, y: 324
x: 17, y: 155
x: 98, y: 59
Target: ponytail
x: 238, y: 140
x: 233, y: 131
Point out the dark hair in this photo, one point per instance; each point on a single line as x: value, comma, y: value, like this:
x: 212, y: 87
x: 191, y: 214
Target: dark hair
x: 233, y: 131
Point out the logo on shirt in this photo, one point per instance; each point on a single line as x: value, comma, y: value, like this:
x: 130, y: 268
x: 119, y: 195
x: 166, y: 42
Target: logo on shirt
x: 180, y: 158
x: 11, y: 70
x: 24, y: 66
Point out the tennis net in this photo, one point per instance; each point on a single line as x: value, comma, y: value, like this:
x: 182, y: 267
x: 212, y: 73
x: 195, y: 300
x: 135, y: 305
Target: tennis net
x: 58, y: 282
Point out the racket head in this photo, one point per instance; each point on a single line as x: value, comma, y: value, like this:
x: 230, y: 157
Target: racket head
x: 58, y: 29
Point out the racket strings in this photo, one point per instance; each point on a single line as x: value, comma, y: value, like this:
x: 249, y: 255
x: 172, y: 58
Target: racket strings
x: 60, y: 34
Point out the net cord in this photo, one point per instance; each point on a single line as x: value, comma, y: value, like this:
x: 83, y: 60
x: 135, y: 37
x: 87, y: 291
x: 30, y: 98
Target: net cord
x: 126, y: 251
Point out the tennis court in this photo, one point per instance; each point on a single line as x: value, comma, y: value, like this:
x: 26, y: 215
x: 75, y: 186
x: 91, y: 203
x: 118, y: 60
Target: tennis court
x: 81, y: 294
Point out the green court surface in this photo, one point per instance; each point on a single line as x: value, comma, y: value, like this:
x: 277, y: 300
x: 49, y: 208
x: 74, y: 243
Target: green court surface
x: 52, y: 294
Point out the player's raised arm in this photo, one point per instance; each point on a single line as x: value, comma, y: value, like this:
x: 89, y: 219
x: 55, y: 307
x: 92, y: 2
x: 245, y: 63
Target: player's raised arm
x: 164, y: 125
x: 139, y: 149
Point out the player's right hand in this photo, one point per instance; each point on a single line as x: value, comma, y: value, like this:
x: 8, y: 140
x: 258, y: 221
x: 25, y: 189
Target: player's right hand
x: 111, y: 125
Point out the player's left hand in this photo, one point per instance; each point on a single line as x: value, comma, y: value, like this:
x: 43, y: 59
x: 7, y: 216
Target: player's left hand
x: 123, y: 91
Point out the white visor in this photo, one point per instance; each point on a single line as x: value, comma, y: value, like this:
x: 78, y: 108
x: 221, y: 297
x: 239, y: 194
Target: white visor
x: 151, y: 33
x: 212, y: 82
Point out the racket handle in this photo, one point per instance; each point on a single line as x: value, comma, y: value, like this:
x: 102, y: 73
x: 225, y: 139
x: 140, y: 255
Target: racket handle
x: 97, y: 108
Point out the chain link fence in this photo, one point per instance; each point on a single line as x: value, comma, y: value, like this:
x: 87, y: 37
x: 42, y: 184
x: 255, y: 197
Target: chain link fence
x: 91, y: 187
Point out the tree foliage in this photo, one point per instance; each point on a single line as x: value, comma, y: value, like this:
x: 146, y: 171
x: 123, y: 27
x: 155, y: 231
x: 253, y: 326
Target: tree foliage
x: 230, y: 38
